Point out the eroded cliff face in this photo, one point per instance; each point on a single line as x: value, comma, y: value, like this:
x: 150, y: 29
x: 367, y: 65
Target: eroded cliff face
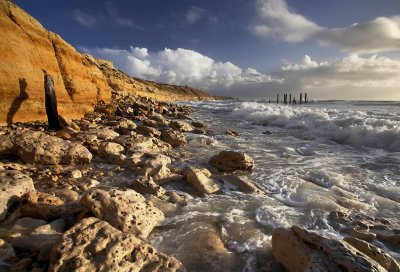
x: 28, y: 51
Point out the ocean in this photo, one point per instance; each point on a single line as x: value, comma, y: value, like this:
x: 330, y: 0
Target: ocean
x: 310, y: 159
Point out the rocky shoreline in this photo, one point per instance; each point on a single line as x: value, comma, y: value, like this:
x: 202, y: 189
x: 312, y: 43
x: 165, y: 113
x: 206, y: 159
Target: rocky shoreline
x: 87, y: 197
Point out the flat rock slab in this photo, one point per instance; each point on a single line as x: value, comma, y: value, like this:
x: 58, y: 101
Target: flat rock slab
x: 125, y: 210
x: 94, y: 245
x: 13, y: 184
x: 301, y: 250
x: 38, y: 147
x: 243, y: 184
x: 199, y: 179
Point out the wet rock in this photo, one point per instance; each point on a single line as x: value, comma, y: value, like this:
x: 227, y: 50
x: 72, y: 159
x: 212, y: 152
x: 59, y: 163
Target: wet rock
x: 141, y: 143
x: 180, y: 126
x: 199, y: 178
x: 95, y: 245
x: 38, y: 147
x: 126, y: 210
x: 229, y: 161
x: 174, y: 138
x: 198, y: 125
x: 375, y: 253
x: 169, y: 209
x: 232, y: 133
x: 13, y: 184
x: 41, y: 205
x: 110, y: 151
x: 243, y: 184
x: 146, y: 185
x: 301, y: 250
x: 6, y: 251
x: 148, y: 131
x: 199, y: 131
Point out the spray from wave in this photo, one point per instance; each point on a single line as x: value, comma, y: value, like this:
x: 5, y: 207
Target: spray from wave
x: 355, y: 127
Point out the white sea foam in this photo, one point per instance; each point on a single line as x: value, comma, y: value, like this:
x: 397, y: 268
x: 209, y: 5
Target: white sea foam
x: 356, y: 127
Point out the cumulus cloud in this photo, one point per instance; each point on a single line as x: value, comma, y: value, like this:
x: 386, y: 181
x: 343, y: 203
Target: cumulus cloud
x: 352, y: 77
x: 380, y: 34
x: 181, y: 66
x: 276, y: 21
x: 84, y: 19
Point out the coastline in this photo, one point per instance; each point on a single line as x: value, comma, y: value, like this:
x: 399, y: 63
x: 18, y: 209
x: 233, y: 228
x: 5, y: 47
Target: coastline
x: 127, y: 154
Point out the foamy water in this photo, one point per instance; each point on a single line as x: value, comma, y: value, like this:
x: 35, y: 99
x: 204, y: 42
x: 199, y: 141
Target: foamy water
x: 309, y: 160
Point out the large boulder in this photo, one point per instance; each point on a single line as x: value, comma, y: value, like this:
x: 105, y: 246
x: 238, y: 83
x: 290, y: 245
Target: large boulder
x: 200, y: 179
x: 229, y: 161
x: 38, y: 147
x: 27, y: 50
x: 301, y: 250
x: 126, y: 210
x: 13, y: 184
x: 94, y: 245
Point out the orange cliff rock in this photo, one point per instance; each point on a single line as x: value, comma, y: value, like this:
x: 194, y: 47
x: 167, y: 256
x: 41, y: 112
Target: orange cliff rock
x: 27, y: 50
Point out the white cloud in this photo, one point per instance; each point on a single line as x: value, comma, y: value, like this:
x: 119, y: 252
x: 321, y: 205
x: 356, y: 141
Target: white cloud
x: 84, y: 19
x: 194, y: 14
x: 276, y: 21
x: 181, y: 66
x: 380, y: 34
x: 352, y: 77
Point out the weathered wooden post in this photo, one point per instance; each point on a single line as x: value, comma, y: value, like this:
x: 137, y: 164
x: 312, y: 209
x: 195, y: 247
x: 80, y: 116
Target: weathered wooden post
x: 290, y: 99
x: 51, y: 103
x: 294, y: 100
x: 301, y: 98
x: 277, y: 99
x: 305, y: 98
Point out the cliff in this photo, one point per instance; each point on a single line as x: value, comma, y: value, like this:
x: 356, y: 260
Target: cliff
x: 28, y: 50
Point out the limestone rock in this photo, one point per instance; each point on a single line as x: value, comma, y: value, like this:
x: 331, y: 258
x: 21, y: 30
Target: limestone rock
x: 232, y: 133
x: 26, y: 223
x: 6, y: 251
x: 180, y: 126
x: 28, y: 49
x: 38, y: 147
x: 375, y: 253
x: 94, y: 245
x: 199, y: 178
x: 41, y: 205
x: 245, y: 185
x: 126, y: 210
x: 13, y: 184
x: 229, y: 161
x: 150, y: 123
x: 198, y: 125
x: 103, y: 133
x: 146, y: 185
x: 174, y: 138
x: 148, y: 131
x: 301, y: 250
x: 110, y: 150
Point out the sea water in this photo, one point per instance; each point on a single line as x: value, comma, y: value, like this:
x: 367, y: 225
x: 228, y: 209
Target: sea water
x: 310, y: 159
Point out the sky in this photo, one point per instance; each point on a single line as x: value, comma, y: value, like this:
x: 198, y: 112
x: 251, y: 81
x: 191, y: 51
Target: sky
x: 331, y: 49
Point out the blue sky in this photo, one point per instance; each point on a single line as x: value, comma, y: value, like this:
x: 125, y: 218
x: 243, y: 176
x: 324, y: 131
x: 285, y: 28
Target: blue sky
x: 247, y: 48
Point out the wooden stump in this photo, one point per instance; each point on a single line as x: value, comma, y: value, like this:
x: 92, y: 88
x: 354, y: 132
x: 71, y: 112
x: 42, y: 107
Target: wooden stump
x: 51, y: 103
